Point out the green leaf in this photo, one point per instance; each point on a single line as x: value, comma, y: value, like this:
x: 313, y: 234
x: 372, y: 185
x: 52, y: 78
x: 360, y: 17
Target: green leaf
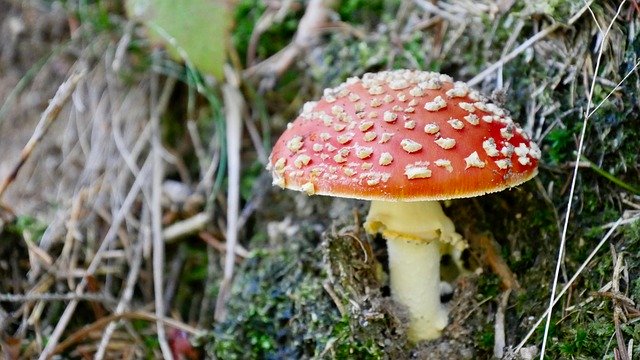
x: 195, y: 31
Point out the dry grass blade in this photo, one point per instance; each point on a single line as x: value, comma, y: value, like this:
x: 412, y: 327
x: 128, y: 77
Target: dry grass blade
x: 234, y: 105
x: 125, y: 299
x: 95, y: 262
x: 156, y: 209
x: 574, y: 178
x: 56, y: 104
x: 569, y: 283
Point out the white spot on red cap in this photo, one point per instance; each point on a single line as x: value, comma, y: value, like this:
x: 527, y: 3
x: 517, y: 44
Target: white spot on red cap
x: 309, y: 188
x: 389, y: 116
x: 467, y: 106
x: 431, y: 128
x: 490, y: 147
x: 522, y: 150
x: 431, y: 84
x: 534, y: 151
x: 495, y: 109
x: 444, y: 163
x: 341, y: 156
x: 446, y: 143
x: 524, y: 160
x: 385, y: 137
x: 349, y: 171
x: 473, y: 160
x: 278, y: 167
x: 365, y: 125
x: 488, y: 119
x: 459, y: 89
x: 480, y: 105
x: 410, y: 124
x: 295, y: 144
x: 369, y: 136
x: 507, y: 131
x: 507, y: 149
x: 363, y: 152
x: 345, y: 138
x: 385, y: 159
x: 399, y: 84
x: 456, y: 124
x: 410, y: 146
x: 436, y: 104
x: 376, y: 90
x: 419, y: 170
x: 503, y: 164
x: 472, y: 119
x: 416, y: 91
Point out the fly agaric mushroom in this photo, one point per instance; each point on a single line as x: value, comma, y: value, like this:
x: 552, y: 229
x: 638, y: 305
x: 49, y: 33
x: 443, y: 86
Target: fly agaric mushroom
x: 405, y: 140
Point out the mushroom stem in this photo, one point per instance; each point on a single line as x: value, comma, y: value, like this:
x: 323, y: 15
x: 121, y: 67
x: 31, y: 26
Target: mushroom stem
x: 416, y: 233
x: 414, y: 270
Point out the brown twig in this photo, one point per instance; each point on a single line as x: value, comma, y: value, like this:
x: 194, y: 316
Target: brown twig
x: 234, y: 103
x: 82, y: 333
x: 49, y: 115
x: 220, y: 246
x: 336, y: 300
x: 489, y: 251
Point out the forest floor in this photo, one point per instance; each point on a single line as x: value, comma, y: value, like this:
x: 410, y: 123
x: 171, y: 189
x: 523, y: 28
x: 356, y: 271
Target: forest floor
x: 114, y: 236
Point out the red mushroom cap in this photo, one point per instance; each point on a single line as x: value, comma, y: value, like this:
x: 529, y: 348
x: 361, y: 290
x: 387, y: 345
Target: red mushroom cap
x: 403, y: 136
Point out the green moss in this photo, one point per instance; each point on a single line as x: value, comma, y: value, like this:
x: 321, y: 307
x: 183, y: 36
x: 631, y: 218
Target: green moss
x: 486, y: 338
x: 280, y: 309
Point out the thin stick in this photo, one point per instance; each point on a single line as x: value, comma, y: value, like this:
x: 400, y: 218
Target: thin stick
x: 565, y: 227
x: 188, y: 226
x: 49, y: 115
x: 569, y: 284
x: 233, y: 106
x: 56, y: 297
x: 156, y: 216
